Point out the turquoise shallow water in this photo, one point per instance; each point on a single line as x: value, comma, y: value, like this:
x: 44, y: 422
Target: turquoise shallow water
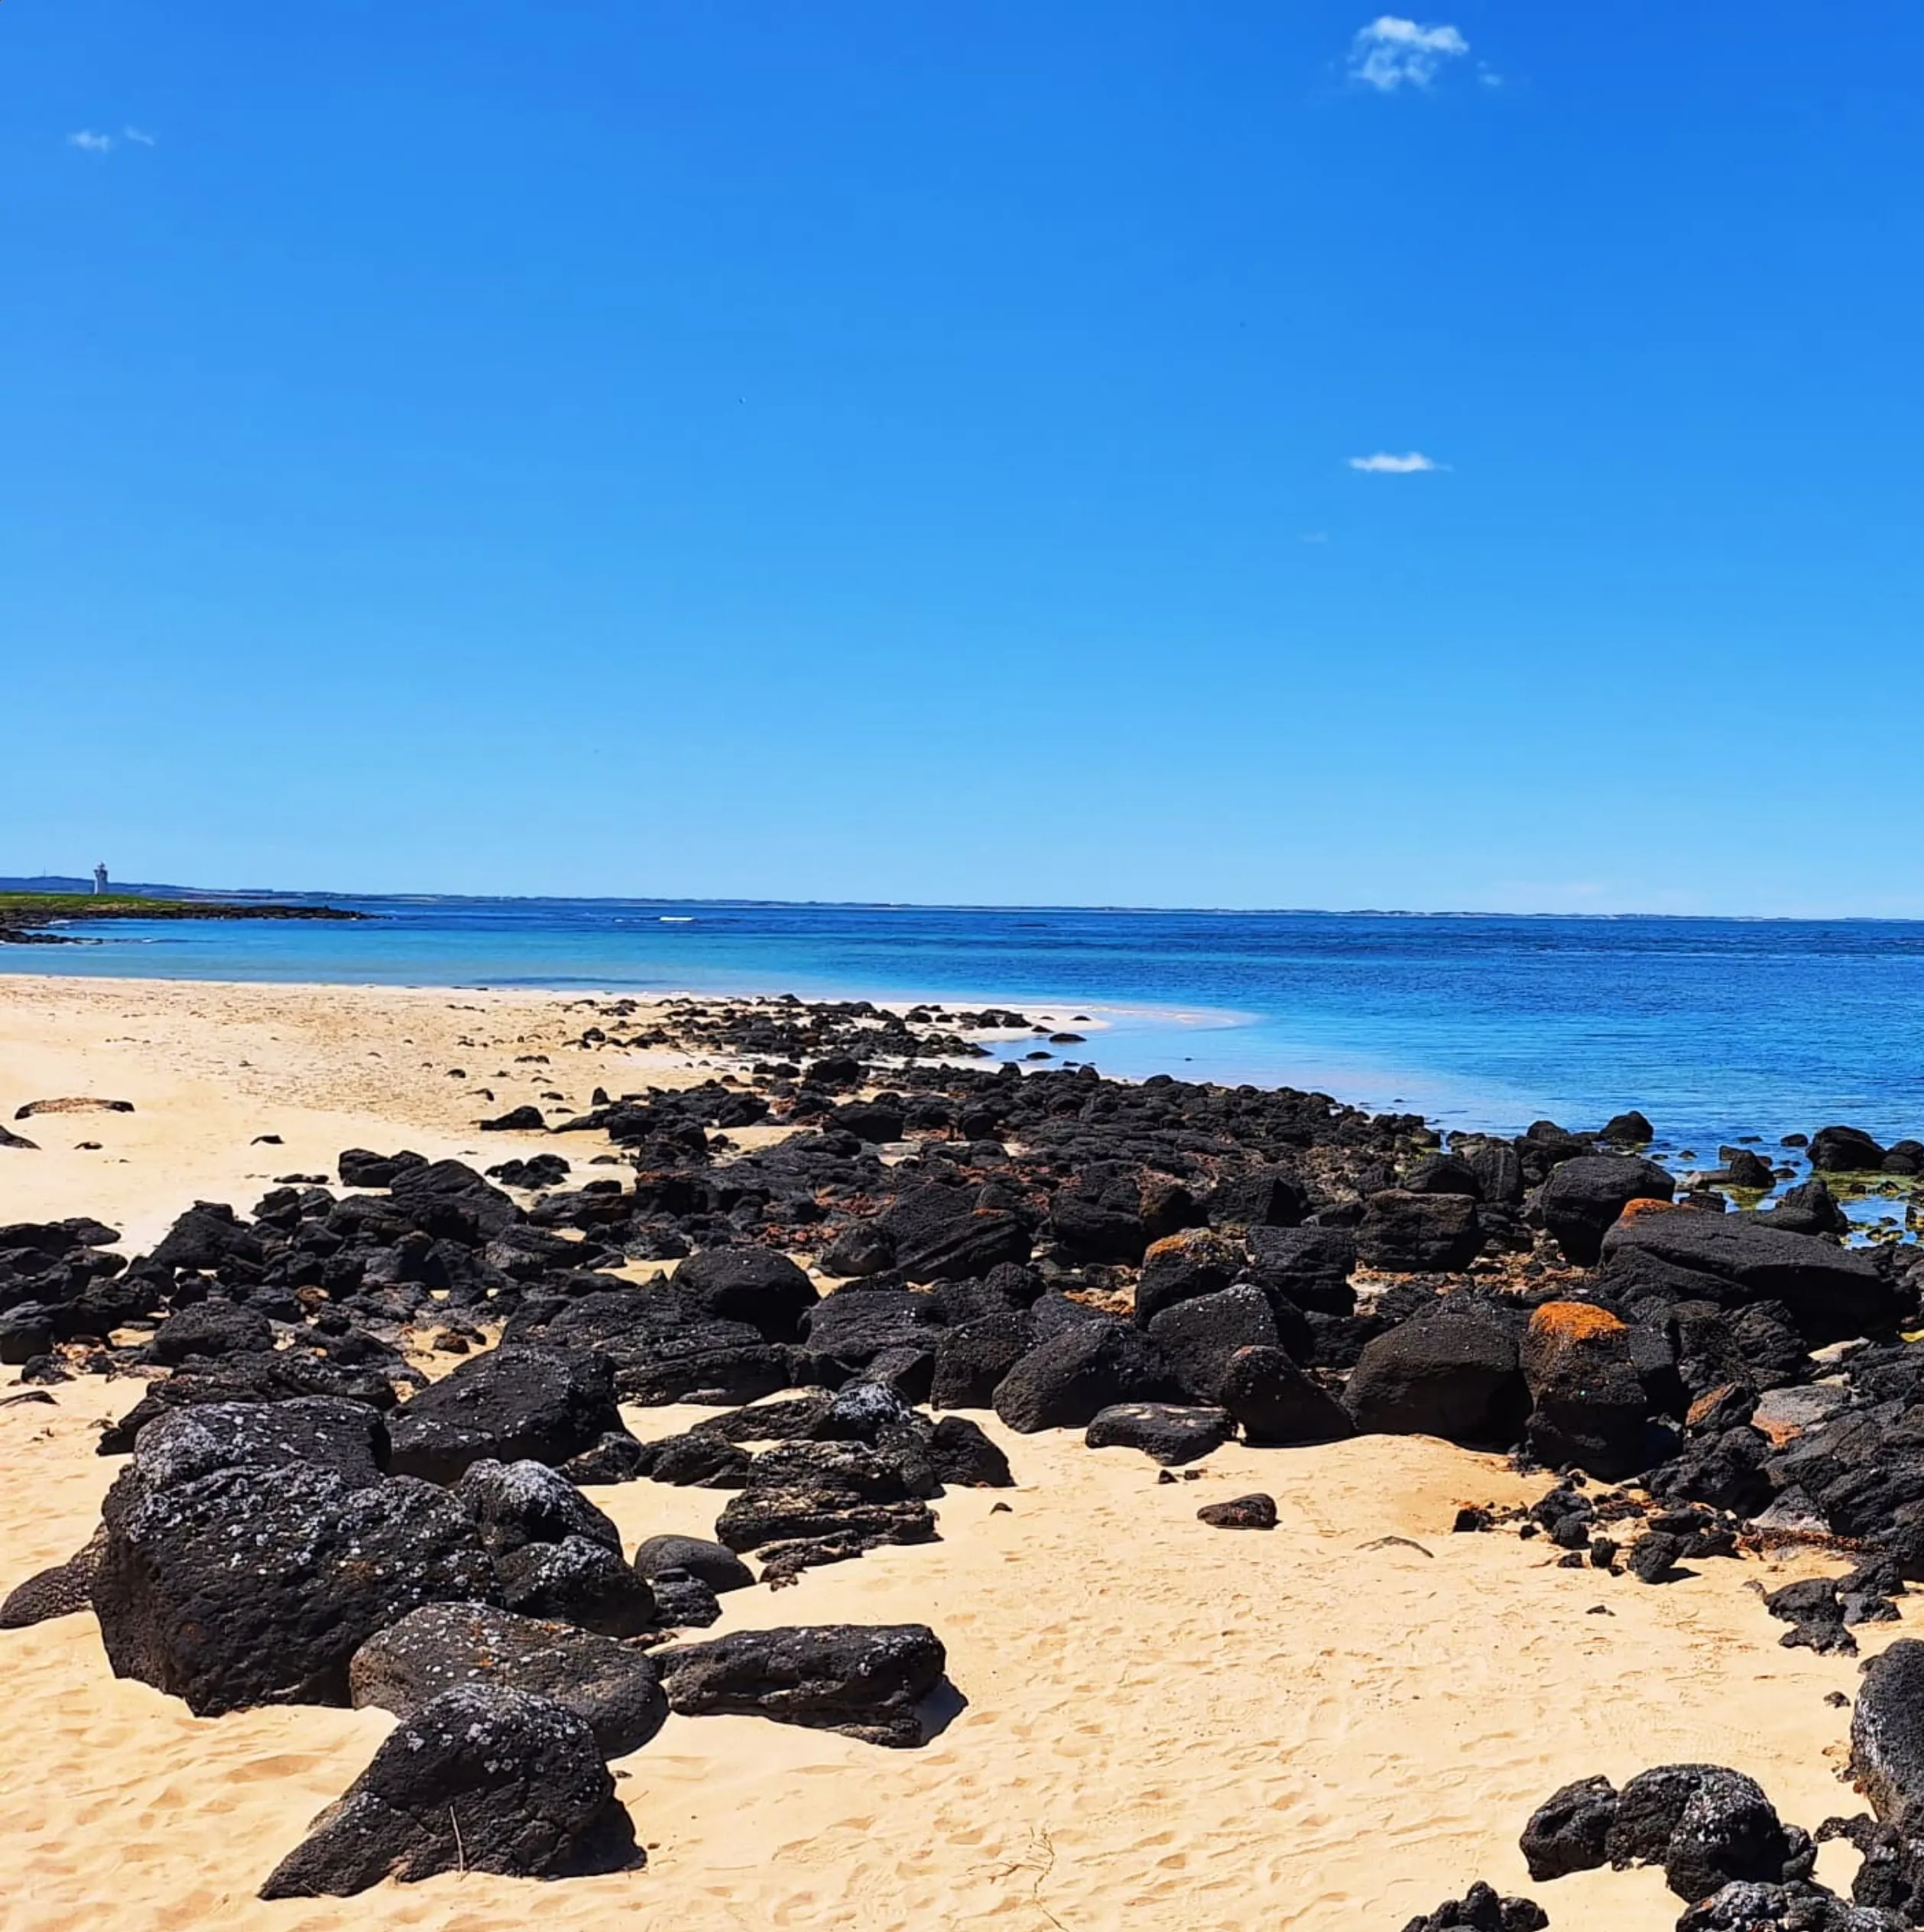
x: 1715, y: 1028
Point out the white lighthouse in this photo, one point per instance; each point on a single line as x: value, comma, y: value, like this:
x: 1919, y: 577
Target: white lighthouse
x: 100, y: 878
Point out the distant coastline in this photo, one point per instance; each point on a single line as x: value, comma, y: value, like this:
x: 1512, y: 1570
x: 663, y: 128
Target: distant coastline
x: 27, y: 917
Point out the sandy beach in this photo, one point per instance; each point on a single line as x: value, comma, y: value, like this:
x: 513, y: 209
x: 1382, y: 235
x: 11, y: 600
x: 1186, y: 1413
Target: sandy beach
x: 1335, y: 1726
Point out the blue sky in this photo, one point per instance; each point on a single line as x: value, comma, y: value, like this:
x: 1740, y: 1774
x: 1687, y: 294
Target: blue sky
x: 908, y: 451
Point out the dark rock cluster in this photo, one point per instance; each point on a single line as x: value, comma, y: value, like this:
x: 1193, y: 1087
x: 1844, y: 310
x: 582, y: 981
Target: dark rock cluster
x: 1723, y: 1849
x: 308, y: 1517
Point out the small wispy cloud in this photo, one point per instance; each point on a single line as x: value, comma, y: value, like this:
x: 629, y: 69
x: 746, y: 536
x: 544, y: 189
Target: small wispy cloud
x: 89, y: 140
x: 1384, y: 464
x: 1312, y: 536
x: 1392, y: 53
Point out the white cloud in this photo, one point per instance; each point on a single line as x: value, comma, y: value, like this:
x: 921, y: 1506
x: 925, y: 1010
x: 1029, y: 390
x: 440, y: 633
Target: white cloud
x: 1384, y: 464
x: 90, y: 142
x: 137, y: 135
x: 1389, y: 53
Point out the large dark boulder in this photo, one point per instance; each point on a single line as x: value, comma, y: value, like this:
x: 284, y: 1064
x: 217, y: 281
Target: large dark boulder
x: 449, y: 1200
x: 940, y: 1234
x: 576, y: 1581
x: 662, y: 1349
x: 1455, y: 1373
x: 755, y: 1285
x: 860, y: 1249
x: 1166, y: 1432
x: 210, y: 1328
x: 359, y: 1168
x: 1481, y: 1909
x: 873, y: 1121
x: 1708, y: 1826
x: 865, y: 1681
x: 698, y: 1458
x: 1184, y: 1267
x: 1403, y: 1234
x: 1863, y: 1470
x: 28, y: 1329
x: 973, y: 1357
x: 517, y: 1503
x: 1570, y: 1831
x: 1726, y: 1471
x: 854, y: 1325
x: 1258, y: 1197
x: 484, y: 1778
x: 1499, y: 1170
x: 1276, y: 1405
x: 1845, y: 1150
x: 348, y: 1439
x: 844, y: 1494
x: 1808, y: 1208
x: 1583, y: 1198
x: 516, y: 1402
x: 207, y: 1238
x: 1590, y: 1408
x: 1310, y: 1266
x: 1098, y: 1217
x: 1197, y: 1338
x: 1887, y: 1730
x: 1729, y: 1833
x: 614, y: 1686
x: 1443, y: 1174
x: 1063, y: 1383
x: 963, y: 1457
x: 715, y: 1563
x: 1833, y: 1294
x: 256, y: 1584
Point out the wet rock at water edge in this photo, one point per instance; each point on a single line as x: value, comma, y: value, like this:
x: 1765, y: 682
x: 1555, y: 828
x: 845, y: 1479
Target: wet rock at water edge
x: 1584, y: 1197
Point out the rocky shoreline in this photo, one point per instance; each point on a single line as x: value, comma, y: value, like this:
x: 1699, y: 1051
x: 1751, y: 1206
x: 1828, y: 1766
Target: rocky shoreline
x: 842, y: 1242
x: 29, y: 919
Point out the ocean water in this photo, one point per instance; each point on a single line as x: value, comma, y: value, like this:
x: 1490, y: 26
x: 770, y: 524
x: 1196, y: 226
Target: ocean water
x: 1715, y: 1028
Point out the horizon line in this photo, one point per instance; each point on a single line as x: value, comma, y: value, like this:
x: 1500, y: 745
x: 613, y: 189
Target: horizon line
x: 964, y: 906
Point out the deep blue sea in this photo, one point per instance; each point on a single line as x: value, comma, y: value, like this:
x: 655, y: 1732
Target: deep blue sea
x: 1715, y: 1028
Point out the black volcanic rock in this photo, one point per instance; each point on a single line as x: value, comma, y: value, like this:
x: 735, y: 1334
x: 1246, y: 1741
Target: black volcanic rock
x: 865, y: 1681
x: 514, y: 1403
x: 485, y: 1777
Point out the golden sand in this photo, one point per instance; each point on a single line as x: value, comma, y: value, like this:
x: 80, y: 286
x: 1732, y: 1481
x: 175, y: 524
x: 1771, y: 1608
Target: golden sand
x: 1167, y: 1725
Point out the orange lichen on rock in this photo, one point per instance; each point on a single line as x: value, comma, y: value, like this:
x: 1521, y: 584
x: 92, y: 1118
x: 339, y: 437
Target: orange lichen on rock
x: 1573, y: 1321
x: 1637, y: 1210
x: 1196, y: 1242
x: 1706, y: 1405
